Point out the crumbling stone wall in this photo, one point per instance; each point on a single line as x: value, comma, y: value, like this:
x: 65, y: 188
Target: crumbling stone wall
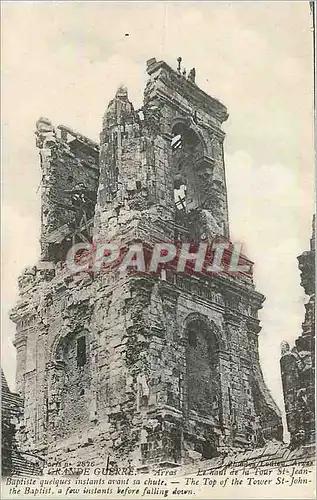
x: 107, y: 363
x: 298, y: 364
x: 13, y: 462
x: 70, y: 171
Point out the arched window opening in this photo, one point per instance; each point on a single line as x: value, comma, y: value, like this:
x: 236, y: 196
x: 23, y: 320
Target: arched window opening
x: 186, y: 150
x: 183, y: 137
x: 203, y: 388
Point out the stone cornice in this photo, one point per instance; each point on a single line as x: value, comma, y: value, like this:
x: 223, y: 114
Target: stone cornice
x: 187, y: 112
x: 19, y: 340
x: 233, y: 318
x: 223, y: 282
x: 253, y: 325
x: 169, y: 290
x: 212, y: 106
x: 79, y: 137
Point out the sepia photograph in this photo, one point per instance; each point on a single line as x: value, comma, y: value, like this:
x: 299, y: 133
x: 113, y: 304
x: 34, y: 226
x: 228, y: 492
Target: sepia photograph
x: 158, y: 250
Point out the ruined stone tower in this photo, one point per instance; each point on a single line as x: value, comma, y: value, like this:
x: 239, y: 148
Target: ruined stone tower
x: 298, y: 363
x: 152, y: 368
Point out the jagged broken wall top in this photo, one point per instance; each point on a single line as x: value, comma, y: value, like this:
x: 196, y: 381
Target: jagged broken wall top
x: 135, y: 388
x: 70, y: 172
x: 139, y: 170
x: 128, y: 187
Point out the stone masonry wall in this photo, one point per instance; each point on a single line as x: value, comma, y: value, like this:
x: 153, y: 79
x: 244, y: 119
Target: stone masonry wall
x: 298, y: 364
x: 70, y: 172
x: 119, y: 365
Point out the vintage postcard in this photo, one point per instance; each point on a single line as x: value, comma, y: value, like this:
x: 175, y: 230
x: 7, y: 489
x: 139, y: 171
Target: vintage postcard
x: 158, y: 250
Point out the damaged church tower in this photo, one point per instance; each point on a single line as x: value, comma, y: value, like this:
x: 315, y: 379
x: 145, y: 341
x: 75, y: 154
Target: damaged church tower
x: 298, y: 363
x: 156, y: 369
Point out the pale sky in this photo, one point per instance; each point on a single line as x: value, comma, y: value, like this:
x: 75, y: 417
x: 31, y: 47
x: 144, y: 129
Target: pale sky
x: 65, y: 60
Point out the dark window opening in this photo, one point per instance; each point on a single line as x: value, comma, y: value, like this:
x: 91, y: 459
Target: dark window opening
x: 230, y: 401
x: 192, y: 338
x: 186, y: 151
x: 81, y: 351
x: 209, y: 450
x: 47, y: 410
x: 144, y: 401
x: 202, y: 378
x: 138, y: 185
x: 183, y: 136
